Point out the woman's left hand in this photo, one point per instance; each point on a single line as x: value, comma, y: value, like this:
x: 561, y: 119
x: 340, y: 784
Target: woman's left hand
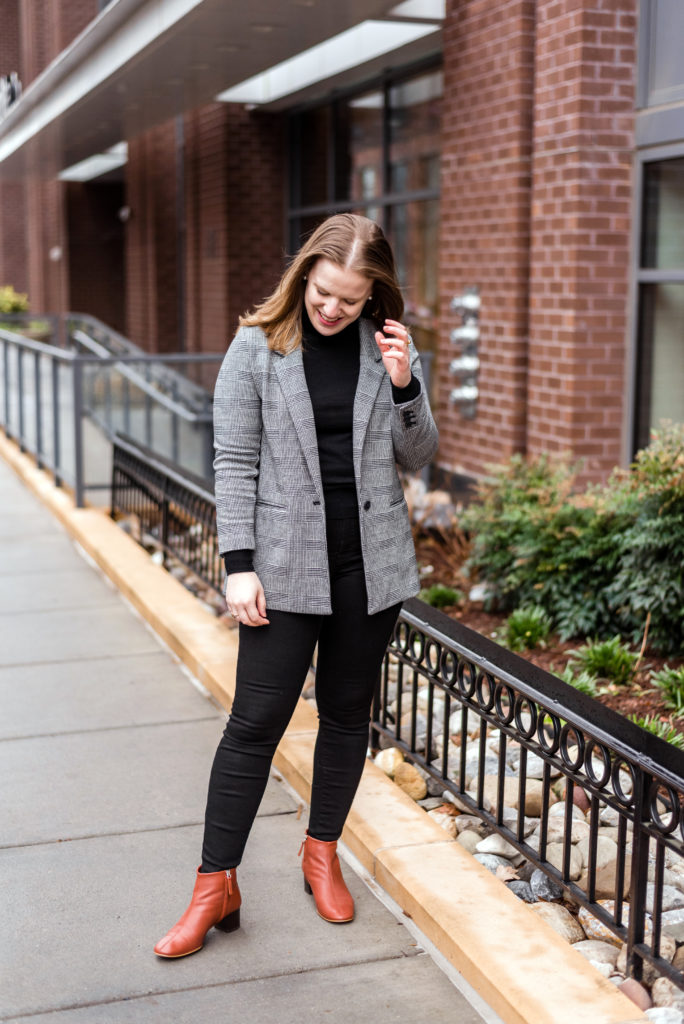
x: 395, y: 352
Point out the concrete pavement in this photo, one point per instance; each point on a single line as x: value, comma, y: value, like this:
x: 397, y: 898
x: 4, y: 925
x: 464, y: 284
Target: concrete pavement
x: 105, y: 749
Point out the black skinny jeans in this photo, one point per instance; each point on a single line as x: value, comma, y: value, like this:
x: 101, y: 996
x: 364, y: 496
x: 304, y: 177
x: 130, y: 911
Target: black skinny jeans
x: 272, y: 665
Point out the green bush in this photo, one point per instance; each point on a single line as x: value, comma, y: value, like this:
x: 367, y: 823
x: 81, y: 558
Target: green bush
x: 583, y: 681
x: 670, y: 681
x: 11, y: 301
x: 605, y: 659
x: 604, y: 561
x: 440, y: 596
x: 526, y: 628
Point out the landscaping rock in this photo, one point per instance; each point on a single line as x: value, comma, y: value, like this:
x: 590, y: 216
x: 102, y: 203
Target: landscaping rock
x: 471, y: 823
x: 636, y: 992
x: 489, y: 860
x: 666, y: 993
x: 597, y: 951
x: 533, y: 793
x: 664, y: 1015
x: 606, y: 879
x: 555, y: 854
x: 672, y: 899
x: 668, y: 948
x: 673, y: 924
x: 543, y: 887
x: 407, y: 778
x: 429, y: 803
x: 606, y: 852
x: 388, y: 760
x: 558, y: 811
x: 523, y: 890
x: 595, y: 929
x: 446, y: 821
x: 560, y: 919
x: 497, y: 844
x: 468, y: 840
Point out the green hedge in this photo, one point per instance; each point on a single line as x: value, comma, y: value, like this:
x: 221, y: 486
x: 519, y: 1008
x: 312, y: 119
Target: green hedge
x: 600, y: 561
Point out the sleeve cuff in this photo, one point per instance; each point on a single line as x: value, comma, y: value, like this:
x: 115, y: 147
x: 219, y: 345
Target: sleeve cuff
x: 407, y: 394
x: 241, y: 560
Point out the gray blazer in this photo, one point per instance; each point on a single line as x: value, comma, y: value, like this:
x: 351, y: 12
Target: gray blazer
x: 269, y: 495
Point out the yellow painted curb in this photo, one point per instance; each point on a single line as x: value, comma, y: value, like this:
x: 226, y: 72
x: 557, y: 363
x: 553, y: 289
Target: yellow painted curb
x: 518, y: 964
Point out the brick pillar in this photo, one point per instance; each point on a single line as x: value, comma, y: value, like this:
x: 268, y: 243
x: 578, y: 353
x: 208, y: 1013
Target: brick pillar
x: 151, y: 240
x: 486, y: 165
x: 234, y: 218
x: 581, y: 217
x: 13, y: 250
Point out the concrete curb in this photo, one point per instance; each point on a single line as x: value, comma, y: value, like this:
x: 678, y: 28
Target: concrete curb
x: 516, y: 962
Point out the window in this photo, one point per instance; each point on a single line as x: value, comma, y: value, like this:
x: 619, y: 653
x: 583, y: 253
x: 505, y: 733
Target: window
x: 660, y: 354
x: 377, y: 152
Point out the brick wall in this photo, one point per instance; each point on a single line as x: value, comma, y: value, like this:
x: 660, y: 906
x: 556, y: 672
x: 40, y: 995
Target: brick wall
x: 33, y: 229
x: 151, y: 240
x: 486, y: 166
x: 581, y: 218
x: 256, y: 209
x: 234, y: 218
x: 13, y: 253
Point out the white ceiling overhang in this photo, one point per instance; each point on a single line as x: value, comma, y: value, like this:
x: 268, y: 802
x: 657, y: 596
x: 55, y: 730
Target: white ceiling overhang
x: 141, y: 62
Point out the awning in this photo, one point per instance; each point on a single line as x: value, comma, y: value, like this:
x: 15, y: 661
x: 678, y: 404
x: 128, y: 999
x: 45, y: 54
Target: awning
x: 141, y: 62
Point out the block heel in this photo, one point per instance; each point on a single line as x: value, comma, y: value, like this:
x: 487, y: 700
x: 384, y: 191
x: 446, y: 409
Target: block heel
x: 230, y: 923
x: 307, y: 888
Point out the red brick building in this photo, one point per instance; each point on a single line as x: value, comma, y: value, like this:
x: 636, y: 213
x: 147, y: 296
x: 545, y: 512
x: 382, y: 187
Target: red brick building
x: 530, y: 152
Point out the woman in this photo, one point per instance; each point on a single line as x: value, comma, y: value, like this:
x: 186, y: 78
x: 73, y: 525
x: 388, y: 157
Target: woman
x: 318, y: 398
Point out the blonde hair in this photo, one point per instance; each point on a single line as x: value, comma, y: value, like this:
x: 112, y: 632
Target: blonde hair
x: 351, y: 242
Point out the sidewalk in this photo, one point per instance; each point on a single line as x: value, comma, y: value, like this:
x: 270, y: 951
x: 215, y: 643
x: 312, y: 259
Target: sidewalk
x: 105, y: 749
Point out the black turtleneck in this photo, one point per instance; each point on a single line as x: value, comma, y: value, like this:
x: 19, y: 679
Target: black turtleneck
x: 331, y: 367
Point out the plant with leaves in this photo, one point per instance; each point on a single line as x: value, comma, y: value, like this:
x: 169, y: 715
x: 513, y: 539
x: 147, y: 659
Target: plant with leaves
x: 526, y: 628
x: 583, y: 681
x: 670, y: 681
x: 11, y: 301
x: 662, y: 727
x: 611, y: 660
x: 440, y: 596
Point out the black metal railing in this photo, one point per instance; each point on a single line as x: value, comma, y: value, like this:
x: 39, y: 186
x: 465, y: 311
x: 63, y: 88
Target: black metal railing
x: 438, y: 673
x: 473, y: 715
x: 85, y: 374
x: 176, y: 512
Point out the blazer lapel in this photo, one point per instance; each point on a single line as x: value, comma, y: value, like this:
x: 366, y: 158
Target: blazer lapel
x: 371, y: 373
x: 290, y: 373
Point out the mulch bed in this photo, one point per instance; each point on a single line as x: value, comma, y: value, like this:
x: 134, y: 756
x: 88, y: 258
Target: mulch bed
x: 638, y: 697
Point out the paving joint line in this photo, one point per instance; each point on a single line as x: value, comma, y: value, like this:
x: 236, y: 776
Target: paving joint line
x: 108, y: 728
x: 60, y: 841
x: 214, y: 985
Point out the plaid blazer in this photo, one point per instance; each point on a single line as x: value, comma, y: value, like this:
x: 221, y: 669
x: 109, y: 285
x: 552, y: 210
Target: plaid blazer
x: 269, y: 495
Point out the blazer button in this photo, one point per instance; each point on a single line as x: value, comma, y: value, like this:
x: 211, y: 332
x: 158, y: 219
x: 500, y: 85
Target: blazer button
x: 366, y: 505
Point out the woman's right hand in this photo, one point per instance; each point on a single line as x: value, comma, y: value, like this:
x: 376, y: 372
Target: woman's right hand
x: 246, y: 599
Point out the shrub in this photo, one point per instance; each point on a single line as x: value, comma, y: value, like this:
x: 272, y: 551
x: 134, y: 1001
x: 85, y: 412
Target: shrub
x: 660, y: 727
x: 606, y: 659
x: 671, y: 682
x: 440, y: 596
x: 11, y: 301
x: 600, y: 562
x: 526, y: 628
x: 583, y: 681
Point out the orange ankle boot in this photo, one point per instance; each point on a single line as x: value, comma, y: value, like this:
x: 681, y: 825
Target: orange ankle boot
x: 323, y: 879
x: 215, y: 903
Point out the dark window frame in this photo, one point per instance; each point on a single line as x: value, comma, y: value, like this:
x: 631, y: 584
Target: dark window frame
x: 298, y: 211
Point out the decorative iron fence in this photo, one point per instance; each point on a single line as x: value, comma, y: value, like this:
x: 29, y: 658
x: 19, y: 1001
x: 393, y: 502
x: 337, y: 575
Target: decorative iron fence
x: 496, y: 734
x: 490, y: 728
x: 176, y: 511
